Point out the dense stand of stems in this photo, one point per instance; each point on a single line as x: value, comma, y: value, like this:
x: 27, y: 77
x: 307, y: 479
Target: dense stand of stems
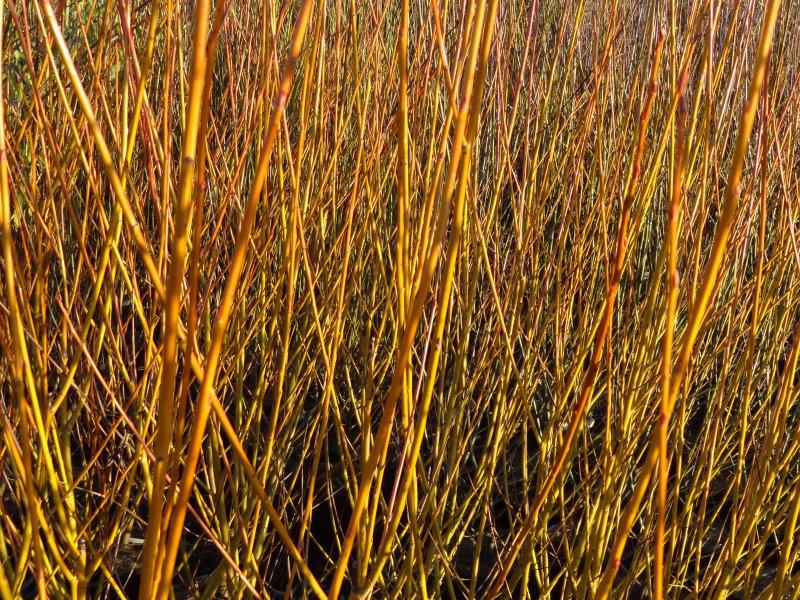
x: 412, y: 299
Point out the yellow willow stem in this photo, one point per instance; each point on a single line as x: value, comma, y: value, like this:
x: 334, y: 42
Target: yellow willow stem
x: 381, y: 440
x: 403, y: 199
x: 402, y: 210
x: 333, y: 352
x: 755, y: 308
x: 600, y: 337
x: 198, y: 198
x: 172, y: 304
x: 708, y: 282
x: 204, y: 402
x: 290, y: 274
x: 672, y: 286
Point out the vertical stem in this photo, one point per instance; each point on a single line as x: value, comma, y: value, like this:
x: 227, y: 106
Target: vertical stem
x: 172, y: 305
x: 672, y: 287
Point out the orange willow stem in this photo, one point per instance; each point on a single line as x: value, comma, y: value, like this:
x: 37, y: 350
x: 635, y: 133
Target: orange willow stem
x: 402, y: 170
x: 203, y: 406
x: 600, y: 338
x: 708, y: 282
